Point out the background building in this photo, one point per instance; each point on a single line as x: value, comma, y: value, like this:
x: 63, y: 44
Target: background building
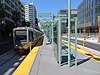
x: 65, y: 24
x: 13, y: 14
x: 30, y: 13
x: 11, y: 6
x: 88, y: 12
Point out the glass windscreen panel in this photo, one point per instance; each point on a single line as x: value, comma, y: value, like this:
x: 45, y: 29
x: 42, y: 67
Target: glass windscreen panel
x: 21, y: 35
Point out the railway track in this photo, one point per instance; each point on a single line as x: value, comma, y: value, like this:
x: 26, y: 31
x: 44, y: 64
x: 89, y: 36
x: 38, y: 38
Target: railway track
x: 6, y: 57
x: 87, y: 44
x: 5, y: 47
x: 9, y: 62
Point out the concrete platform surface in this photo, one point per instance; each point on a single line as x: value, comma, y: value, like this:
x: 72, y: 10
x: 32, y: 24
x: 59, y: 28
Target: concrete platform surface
x: 46, y: 64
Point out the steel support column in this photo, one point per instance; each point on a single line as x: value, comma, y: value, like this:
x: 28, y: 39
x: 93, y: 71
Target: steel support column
x: 76, y: 41
x: 50, y: 34
x: 52, y: 28
x: 59, y: 41
x: 69, y: 49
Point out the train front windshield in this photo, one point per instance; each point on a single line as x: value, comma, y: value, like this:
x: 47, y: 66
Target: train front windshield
x: 21, y: 36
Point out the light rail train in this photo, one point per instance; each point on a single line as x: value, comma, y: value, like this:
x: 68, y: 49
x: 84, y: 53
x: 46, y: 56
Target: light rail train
x: 24, y: 38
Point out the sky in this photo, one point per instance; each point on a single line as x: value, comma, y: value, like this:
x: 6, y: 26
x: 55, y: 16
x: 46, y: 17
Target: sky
x: 52, y: 6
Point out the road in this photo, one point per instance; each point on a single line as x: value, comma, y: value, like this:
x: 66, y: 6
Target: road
x: 87, y: 44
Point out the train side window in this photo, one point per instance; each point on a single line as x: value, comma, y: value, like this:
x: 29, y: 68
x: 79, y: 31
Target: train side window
x: 31, y: 36
x: 34, y: 35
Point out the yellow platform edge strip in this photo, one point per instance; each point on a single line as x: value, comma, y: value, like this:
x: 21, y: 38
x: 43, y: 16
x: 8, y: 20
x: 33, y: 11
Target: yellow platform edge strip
x: 25, y: 67
x: 83, y: 52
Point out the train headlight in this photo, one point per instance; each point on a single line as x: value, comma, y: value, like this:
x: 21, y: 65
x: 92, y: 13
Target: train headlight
x: 25, y: 45
x: 16, y: 45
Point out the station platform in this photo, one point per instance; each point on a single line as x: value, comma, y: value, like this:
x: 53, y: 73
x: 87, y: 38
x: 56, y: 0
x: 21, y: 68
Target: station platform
x: 45, y: 63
